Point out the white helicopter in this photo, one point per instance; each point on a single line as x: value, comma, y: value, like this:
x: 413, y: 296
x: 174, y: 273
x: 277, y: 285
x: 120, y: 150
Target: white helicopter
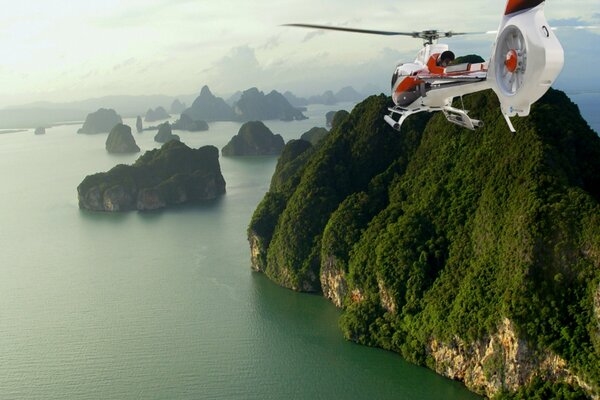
x: 526, y: 59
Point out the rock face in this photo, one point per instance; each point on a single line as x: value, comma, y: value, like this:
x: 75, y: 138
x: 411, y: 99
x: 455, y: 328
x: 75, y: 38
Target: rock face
x: 120, y: 140
x: 139, y: 126
x: 171, y: 175
x: 477, y: 256
x: 315, y: 135
x: 254, y: 139
x: 255, y: 105
x: 165, y: 134
x: 477, y: 363
x: 186, y: 123
x: 208, y: 107
x: 101, y: 121
x: 156, y: 115
x: 177, y: 107
x: 40, y: 130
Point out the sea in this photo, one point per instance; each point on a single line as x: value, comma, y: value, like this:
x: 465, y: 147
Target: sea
x: 164, y: 305
x: 589, y: 106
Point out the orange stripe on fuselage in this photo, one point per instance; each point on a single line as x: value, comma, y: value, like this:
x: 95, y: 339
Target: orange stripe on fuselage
x: 407, y: 84
x: 518, y: 5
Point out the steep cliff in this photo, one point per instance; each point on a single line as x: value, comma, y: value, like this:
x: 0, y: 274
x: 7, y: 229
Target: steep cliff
x: 171, y: 175
x: 254, y: 139
x: 474, y: 253
x: 120, y: 140
x: 101, y: 121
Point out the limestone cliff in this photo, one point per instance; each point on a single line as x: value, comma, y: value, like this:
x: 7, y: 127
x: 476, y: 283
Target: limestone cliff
x: 254, y: 139
x: 101, y: 121
x: 171, y: 175
x: 476, y: 254
x: 120, y: 140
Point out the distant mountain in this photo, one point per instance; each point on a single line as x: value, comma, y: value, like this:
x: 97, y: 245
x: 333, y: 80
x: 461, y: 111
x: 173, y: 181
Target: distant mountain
x: 295, y: 100
x: 101, y: 121
x: 177, y: 107
x: 254, y: 105
x: 156, y: 115
x: 208, y: 107
x: 234, y: 98
x: 345, y: 95
x: 348, y: 94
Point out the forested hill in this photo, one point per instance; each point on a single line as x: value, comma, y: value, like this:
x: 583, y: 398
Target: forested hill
x: 476, y: 254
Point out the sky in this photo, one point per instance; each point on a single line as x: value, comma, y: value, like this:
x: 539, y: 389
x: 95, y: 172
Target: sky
x: 67, y: 50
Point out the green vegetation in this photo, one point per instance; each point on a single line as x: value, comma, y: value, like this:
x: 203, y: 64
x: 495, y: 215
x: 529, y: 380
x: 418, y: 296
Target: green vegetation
x: 442, y: 232
x: 174, y: 174
x: 254, y: 139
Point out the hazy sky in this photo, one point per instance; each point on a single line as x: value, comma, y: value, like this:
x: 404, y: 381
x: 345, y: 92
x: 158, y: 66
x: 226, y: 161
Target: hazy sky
x: 69, y: 50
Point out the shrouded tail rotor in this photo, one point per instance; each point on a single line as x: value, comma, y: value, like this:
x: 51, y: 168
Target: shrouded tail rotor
x: 511, y: 60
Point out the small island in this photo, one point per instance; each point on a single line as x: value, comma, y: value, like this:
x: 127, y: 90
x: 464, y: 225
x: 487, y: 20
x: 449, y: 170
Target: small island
x: 139, y: 126
x: 172, y: 175
x: 101, y: 121
x: 120, y: 140
x: 40, y: 130
x: 156, y: 115
x: 186, y: 123
x: 165, y: 134
x: 254, y: 139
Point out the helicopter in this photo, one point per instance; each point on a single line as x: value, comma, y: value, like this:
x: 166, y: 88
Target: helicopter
x: 526, y: 59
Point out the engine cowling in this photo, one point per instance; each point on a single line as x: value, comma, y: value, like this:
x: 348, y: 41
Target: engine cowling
x: 526, y: 59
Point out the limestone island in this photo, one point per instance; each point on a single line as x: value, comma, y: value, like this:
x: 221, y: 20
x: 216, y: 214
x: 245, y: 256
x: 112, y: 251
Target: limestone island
x: 254, y: 139
x: 208, y: 107
x: 474, y: 254
x: 156, y: 115
x: 186, y: 123
x: 120, y: 140
x: 139, y: 126
x: 40, y: 130
x: 172, y: 175
x: 165, y: 134
x: 255, y: 105
x: 101, y: 121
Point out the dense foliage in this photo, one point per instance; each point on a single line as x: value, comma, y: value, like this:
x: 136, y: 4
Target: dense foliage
x: 175, y: 172
x: 442, y: 232
x: 254, y: 139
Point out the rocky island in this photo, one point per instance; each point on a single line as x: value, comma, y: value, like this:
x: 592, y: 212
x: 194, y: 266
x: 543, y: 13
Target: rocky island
x: 208, y: 107
x: 254, y: 139
x: 165, y: 133
x: 476, y: 254
x: 157, y: 114
x: 120, y: 140
x: 40, y: 130
x: 186, y: 123
x: 101, y: 121
x: 139, y: 126
x: 174, y: 174
x: 255, y: 105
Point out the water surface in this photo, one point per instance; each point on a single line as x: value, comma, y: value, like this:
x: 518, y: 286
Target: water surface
x: 163, y: 305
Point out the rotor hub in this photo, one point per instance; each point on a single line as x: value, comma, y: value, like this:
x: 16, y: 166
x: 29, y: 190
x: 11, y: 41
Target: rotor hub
x: 512, y: 60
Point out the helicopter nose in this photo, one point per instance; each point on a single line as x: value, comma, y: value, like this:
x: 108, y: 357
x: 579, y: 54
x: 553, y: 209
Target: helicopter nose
x: 512, y: 60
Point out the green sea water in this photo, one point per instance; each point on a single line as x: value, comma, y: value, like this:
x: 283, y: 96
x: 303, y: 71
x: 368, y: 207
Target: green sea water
x: 163, y: 305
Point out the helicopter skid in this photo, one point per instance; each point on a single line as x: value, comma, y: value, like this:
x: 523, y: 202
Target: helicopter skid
x: 403, y: 113
x: 461, y: 118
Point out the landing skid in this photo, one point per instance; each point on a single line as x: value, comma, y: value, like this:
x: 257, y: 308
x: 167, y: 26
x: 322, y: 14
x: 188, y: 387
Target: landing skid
x: 454, y: 115
x: 461, y: 118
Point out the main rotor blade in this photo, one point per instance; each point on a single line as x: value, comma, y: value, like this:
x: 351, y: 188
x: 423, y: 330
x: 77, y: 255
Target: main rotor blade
x: 335, y: 28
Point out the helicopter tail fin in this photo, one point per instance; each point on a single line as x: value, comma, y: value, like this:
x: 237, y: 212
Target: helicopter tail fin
x: 526, y: 57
